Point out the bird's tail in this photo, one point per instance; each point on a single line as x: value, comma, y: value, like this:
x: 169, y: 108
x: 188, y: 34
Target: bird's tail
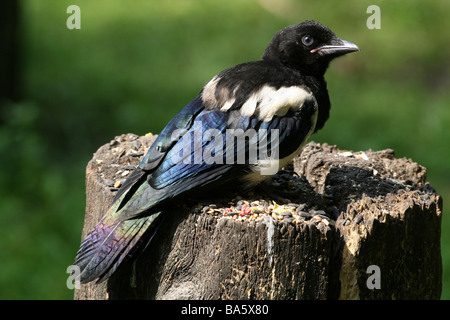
x: 109, y: 243
x: 115, y: 238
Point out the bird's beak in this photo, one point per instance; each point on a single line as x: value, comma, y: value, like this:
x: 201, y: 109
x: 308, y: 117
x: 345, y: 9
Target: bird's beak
x: 337, y: 48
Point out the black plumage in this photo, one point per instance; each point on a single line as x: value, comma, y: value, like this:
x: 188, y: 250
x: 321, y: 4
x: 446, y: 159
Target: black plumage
x: 278, y: 101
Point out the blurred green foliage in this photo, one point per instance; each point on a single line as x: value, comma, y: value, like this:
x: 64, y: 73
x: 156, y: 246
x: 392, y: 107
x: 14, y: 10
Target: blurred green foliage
x: 133, y: 65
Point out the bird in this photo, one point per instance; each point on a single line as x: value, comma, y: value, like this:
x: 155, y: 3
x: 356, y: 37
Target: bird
x: 275, y: 103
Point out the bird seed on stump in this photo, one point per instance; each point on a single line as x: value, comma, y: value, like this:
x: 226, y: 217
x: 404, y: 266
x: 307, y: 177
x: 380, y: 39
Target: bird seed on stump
x: 339, y: 225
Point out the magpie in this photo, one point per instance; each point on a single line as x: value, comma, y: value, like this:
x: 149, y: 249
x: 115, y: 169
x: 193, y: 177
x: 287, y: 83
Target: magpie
x: 245, y: 124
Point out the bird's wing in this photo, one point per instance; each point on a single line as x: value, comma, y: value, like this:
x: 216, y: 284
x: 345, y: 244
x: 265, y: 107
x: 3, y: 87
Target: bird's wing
x: 182, y: 121
x: 180, y: 165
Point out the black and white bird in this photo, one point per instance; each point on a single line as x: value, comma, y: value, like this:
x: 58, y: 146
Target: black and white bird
x: 275, y: 103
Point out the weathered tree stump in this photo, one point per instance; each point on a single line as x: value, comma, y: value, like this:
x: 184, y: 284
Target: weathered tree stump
x: 365, y: 225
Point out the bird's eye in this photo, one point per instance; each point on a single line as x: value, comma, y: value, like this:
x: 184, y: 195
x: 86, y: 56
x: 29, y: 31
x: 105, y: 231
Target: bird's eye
x: 307, y: 40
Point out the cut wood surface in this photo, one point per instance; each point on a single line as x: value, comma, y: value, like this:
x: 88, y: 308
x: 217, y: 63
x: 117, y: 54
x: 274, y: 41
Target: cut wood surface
x: 339, y: 225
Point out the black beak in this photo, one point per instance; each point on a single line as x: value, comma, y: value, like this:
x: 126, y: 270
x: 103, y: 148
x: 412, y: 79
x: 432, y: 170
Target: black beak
x: 337, y: 48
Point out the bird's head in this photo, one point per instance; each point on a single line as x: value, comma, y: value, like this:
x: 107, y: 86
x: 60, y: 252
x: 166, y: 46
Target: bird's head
x: 308, y: 46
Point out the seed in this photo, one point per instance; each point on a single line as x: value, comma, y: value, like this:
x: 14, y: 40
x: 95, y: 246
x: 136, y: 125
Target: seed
x: 304, y: 214
x: 137, y: 144
x: 136, y: 154
x: 358, y: 218
x: 318, y: 213
x: 205, y: 208
x: 245, y: 210
x: 322, y: 216
x: 300, y: 207
x: 286, y: 214
x: 108, y: 182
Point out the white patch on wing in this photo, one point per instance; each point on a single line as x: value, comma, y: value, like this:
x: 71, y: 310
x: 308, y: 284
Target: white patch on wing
x: 227, y: 104
x: 209, y: 92
x: 218, y: 99
x: 268, y: 101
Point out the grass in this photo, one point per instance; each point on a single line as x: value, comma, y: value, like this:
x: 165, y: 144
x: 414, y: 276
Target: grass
x: 131, y: 67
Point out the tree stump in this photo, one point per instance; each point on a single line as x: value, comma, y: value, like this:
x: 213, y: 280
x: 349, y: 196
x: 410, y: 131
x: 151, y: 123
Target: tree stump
x: 360, y: 225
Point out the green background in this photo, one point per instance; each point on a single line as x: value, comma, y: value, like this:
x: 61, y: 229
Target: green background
x: 134, y: 64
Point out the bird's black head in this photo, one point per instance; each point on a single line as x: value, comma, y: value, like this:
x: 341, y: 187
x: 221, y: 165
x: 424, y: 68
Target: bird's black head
x: 308, y: 46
